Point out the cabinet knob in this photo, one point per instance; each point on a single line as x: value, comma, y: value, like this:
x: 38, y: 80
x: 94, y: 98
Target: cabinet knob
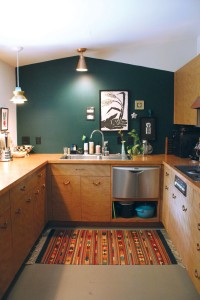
x: 196, y: 274
x: 23, y: 188
x: 37, y: 192
x: 173, y: 196
x: 198, y: 247
x: 44, y: 185
x: 18, y: 211
x: 66, y: 182
x: 28, y: 200
x: 96, y: 183
x: 166, y: 188
x: 166, y: 174
x: 184, y: 208
x: 4, y: 225
x: 40, y: 175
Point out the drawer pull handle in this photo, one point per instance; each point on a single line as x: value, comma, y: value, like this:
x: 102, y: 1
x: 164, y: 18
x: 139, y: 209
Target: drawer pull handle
x: 96, y: 183
x: 166, y: 187
x: 40, y: 175
x: 167, y: 174
x: 37, y: 192
x: 198, y: 247
x: 184, y: 208
x: 4, y: 225
x: 23, y: 188
x: 18, y: 211
x: 66, y: 182
x: 173, y: 196
x: 80, y: 169
x: 198, y: 226
x: 44, y: 185
x: 196, y: 274
x: 28, y: 200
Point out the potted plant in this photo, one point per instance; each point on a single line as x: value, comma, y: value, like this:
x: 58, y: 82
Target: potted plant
x: 136, y: 148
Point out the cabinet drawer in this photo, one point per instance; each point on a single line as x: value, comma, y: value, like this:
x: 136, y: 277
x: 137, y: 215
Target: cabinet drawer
x: 23, y: 187
x: 80, y: 169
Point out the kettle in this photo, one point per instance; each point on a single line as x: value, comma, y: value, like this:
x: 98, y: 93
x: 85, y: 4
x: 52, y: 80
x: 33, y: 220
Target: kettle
x: 147, y: 148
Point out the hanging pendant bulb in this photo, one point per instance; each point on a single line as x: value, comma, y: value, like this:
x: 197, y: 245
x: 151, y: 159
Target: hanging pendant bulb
x: 81, y: 67
x: 18, y: 97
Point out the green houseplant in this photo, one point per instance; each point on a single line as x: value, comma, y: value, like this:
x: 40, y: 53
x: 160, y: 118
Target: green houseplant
x: 136, y: 148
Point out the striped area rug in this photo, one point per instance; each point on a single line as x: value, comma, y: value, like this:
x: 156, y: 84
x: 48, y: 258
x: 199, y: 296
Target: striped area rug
x: 106, y: 247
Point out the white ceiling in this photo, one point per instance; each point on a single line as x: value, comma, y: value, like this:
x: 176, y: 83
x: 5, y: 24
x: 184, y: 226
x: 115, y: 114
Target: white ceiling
x: 161, y: 34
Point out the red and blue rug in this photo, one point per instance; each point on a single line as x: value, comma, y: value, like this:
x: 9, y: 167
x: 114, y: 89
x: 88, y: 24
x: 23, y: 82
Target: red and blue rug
x: 106, y: 247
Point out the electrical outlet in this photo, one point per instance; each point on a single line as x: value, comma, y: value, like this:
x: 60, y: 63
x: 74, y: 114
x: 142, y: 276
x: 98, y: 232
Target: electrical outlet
x: 38, y: 140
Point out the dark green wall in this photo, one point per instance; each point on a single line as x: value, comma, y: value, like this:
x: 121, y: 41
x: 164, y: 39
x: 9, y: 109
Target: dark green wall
x: 58, y: 96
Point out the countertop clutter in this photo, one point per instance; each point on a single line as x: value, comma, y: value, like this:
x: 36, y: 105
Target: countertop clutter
x: 14, y: 171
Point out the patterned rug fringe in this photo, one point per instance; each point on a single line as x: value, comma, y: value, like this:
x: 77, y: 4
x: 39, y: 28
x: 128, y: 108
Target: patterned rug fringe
x: 172, y: 247
x: 37, y: 248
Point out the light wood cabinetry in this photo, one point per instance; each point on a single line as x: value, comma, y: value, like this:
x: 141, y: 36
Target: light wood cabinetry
x: 80, y: 192
x: 6, y: 251
x: 186, y: 90
x: 194, y: 262
x: 166, y: 197
x: 27, y: 215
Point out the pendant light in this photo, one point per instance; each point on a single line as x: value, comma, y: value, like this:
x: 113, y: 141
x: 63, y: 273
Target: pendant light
x: 18, y: 97
x: 81, y: 67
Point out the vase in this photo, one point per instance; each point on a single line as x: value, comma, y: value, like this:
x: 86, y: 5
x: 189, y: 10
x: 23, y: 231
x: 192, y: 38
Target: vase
x: 123, y: 153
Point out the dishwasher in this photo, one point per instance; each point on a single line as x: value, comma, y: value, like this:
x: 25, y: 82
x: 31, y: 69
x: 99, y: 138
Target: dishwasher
x: 133, y: 186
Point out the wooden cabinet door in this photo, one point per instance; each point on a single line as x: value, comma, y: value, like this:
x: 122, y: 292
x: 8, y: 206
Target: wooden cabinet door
x: 66, y: 202
x: 179, y: 220
x: 194, y: 263
x: 39, y: 209
x: 22, y: 228
x: 95, y: 197
x: 166, y: 197
x: 6, y: 252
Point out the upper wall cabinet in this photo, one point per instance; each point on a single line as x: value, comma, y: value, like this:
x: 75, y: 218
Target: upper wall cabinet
x: 186, y: 90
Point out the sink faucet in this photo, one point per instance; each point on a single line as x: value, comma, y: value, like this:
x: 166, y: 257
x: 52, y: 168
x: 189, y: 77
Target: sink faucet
x: 102, y: 138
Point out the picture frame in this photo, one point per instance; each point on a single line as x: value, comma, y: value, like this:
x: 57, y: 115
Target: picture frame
x: 113, y: 110
x: 139, y: 104
x: 148, y: 128
x: 4, y: 119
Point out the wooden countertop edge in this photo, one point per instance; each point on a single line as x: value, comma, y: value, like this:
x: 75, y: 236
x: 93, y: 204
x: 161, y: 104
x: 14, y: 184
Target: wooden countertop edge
x: 15, y: 171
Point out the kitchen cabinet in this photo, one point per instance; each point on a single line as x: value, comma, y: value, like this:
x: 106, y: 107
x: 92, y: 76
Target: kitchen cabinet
x: 194, y: 262
x: 80, y: 192
x: 27, y: 215
x: 95, y: 198
x: 167, y: 186
x: 186, y: 90
x: 6, y: 251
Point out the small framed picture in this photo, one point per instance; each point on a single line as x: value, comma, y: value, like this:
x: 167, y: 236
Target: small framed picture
x: 148, y: 128
x: 90, y: 113
x: 139, y: 104
x: 113, y: 110
x: 4, y: 118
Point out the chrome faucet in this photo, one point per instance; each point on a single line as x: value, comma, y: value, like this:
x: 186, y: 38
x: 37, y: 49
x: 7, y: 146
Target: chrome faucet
x: 102, y: 139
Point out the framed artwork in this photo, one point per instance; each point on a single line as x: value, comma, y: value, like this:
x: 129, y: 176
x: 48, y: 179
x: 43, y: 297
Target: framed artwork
x: 113, y: 110
x: 90, y: 113
x: 148, y: 128
x: 139, y: 104
x: 4, y: 118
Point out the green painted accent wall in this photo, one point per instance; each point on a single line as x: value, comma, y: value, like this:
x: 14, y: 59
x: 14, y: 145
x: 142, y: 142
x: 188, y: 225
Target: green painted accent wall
x: 58, y: 96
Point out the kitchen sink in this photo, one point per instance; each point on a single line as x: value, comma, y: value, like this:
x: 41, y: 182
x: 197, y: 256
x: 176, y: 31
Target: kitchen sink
x: 94, y: 157
x: 192, y: 172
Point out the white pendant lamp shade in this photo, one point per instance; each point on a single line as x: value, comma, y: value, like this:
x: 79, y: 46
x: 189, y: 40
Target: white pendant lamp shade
x: 18, y: 97
x: 81, y: 67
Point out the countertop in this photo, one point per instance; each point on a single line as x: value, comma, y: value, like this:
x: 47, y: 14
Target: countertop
x: 14, y: 171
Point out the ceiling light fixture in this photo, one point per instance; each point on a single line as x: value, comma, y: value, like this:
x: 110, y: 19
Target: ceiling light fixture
x: 18, y: 97
x: 81, y: 67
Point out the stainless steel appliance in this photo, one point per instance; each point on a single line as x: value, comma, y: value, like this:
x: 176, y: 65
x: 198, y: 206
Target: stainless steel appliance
x: 135, y: 182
